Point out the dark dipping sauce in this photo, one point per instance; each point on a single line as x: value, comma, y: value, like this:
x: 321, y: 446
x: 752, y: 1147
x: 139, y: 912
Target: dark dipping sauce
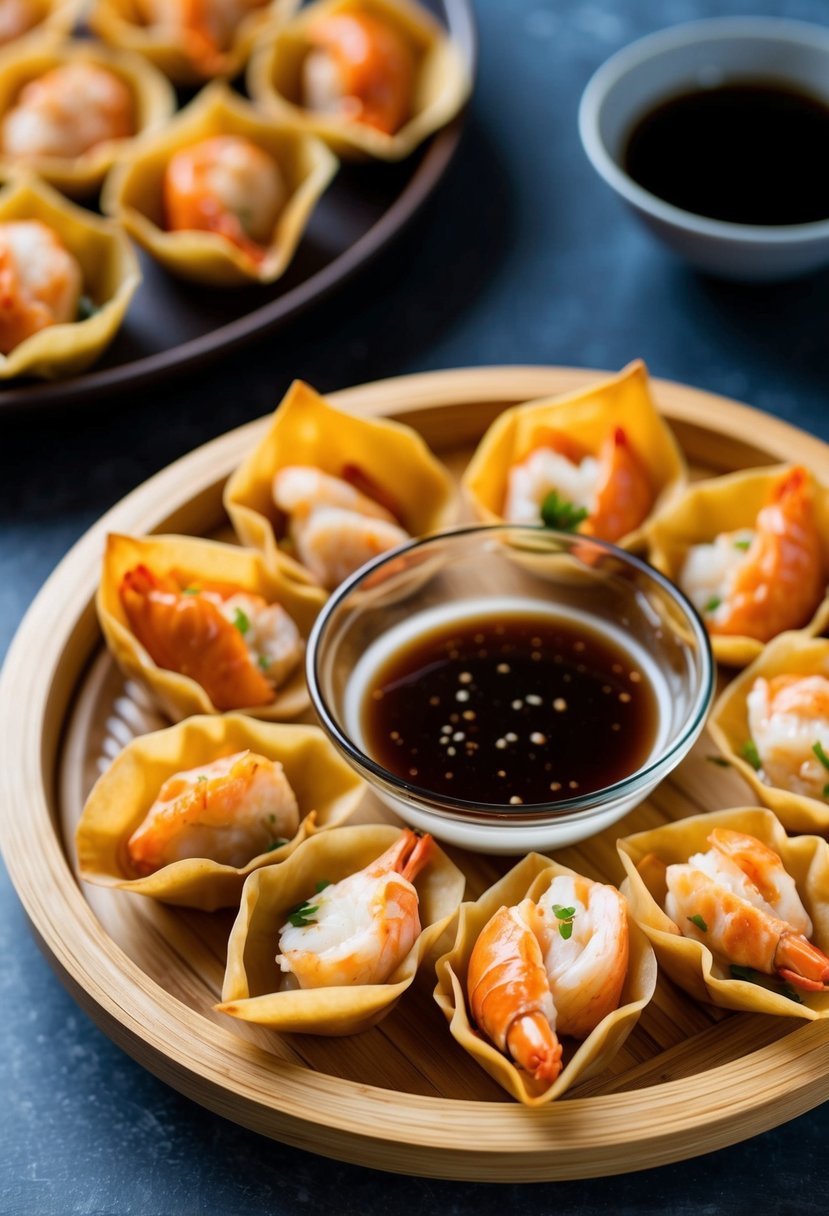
x: 749, y: 153
x: 514, y: 710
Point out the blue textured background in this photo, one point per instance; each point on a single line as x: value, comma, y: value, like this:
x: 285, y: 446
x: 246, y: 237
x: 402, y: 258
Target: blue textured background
x: 522, y: 257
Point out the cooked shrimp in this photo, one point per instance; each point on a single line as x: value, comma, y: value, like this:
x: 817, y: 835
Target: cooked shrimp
x: 610, y: 491
x: 16, y: 17
x: 232, y: 643
x: 68, y: 111
x: 361, y: 68
x: 230, y: 811
x: 227, y: 185
x: 739, y: 931
x: 204, y: 28
x: 586, y: 970
x: 358, y: 930
x: 40, y: 281
x: 765, y: 872
x: 509, y: 993
x: 788, y: 718
x: 334, y: 527
x: 771, y: 583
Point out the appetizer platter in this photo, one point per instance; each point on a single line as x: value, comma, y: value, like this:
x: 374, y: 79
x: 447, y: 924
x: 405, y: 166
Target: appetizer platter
x: 671, y: 1073
x: 334, y: 213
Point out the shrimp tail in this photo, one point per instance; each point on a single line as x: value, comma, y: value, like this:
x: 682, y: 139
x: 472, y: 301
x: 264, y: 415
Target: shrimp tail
x: 624, y: 494
x: 407, y: 856
x: 800, y: 963
x: 530, y: 1041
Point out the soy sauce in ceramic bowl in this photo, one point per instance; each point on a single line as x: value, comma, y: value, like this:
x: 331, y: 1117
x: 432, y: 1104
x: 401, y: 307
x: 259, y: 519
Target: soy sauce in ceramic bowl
x: 748, y: 152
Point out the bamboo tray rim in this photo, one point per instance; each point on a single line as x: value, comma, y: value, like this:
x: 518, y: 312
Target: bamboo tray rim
x: 403, y: 1132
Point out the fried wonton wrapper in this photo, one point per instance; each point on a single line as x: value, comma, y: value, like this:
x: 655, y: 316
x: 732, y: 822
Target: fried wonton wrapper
x: 119, y: 22
x: 793, y: 653
x: 152, y: 96
x: 530, y: 878
x: 250, y: 990
x: 134, y: 191
x: 54, y: 16
x: 209, y: 562
x: 326, y: 788
x: 110, y: 277
x: 441, y: 80
x: 726, y: 504
x: 690, y: 963
x: 586, y: 416
x: 306, y: 430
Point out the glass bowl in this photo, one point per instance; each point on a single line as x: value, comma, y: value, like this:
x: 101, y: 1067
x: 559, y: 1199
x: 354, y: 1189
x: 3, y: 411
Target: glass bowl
x: 489, y: 574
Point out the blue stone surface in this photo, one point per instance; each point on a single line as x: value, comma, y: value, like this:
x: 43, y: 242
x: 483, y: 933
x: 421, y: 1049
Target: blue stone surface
x: 523, y: 256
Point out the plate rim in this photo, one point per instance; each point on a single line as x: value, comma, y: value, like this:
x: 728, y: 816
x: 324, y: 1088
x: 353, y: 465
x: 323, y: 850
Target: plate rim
x: 155, y: 1028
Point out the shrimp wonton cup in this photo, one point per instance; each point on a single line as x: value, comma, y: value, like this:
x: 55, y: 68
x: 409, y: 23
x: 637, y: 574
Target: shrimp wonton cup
x: 194, y: 561
x: 795, y: 654
x: 440, y: 83
x: 586, y: 417
x: 54, y: 16
x: 722, y: 505
x: 530, y: 878
x: 326, y: 789
x: 134, y: 192
x: 110, y: 275
x: 121, y: 23
x: 689, y: 962
x: 152, y: 99
x: 252, y: 989
x: 306, y: 430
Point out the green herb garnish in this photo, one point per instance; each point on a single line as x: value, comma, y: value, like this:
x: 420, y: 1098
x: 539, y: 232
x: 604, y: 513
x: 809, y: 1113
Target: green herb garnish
x: 275, y: 844
x: 713, y: 604
x: 263, y: 661
x: 241, y: 620
x: 792, y: 994
x: 817, y: 748
x: 720, y: 761
x: 322, y: 884
x: 742, y: 544
x: 558, y: 513
x: 751, y: 754
x: 769, y: 982
x: 201, y: 777
x: 191, y: 590
x: 565, y: 920
x: 743, y: 973
x: 86, y: 308
x: 697, y: 920
x: 826, y: 791
x: 303, y: 914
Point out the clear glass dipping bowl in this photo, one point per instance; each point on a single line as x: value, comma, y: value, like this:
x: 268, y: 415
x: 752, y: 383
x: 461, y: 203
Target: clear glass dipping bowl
x: 488, y: 570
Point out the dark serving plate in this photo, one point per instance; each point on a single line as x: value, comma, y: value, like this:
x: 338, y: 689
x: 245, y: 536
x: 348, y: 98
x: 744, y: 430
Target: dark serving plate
x: 171, y: 324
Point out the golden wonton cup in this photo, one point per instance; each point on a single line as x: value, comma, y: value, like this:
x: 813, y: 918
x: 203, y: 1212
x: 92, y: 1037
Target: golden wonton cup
x: 119, y: 23
x: 789, y: 654
x: 307, y: 430
x: 54, y: 16
x: 153, y: 100
x: 250, y: 985
x: 587, y: 416
x: 724, y: 504
x: 442, y: 82
x: 209, y: 561
x: 688, y: 962
x: 326, y: 788
x: 531, y: 877
x: 110, y: 278
x: 134, y: 191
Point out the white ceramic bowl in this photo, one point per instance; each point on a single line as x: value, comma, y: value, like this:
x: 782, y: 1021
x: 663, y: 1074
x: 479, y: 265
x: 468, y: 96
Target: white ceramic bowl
x: 491, y: 570
x: 698, y: 55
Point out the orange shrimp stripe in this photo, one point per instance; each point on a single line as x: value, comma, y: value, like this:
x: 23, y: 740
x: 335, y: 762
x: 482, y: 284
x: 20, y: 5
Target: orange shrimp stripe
x: 689, y: 962
x: 529, y: 879
x: 586, y: 417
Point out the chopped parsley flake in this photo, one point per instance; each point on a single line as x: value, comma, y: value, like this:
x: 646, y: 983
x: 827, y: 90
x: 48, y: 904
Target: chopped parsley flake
x: 276, y: 844
x: 558, y: 513
x: 201, y: 777
x: 241, y: 620
x: 826, y: 791
x: 792, y: 994
x: 697, y: 920
x: 263, y: 661
x: 322, y: 884
x: 720, y: 761
x: 743, y: 973
x: 191, y: 590
x: 742, y: 544
x: 712, y: 605
x: 817, y: 748
x: 303, y: 914
x: 86, y: 308
x: 565, y: 920
x: 751, y: 754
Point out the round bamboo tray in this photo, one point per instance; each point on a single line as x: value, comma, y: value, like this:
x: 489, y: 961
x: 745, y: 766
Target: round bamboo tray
x: 402, y: 1096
